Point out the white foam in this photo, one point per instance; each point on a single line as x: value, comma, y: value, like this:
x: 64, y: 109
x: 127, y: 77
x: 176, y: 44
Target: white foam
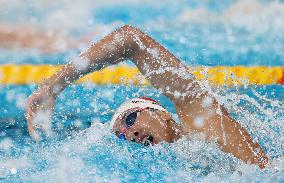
x: 6, y: 144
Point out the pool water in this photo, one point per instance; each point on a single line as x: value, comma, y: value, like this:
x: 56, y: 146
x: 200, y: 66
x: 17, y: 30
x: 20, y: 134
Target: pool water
x: 82, y: 147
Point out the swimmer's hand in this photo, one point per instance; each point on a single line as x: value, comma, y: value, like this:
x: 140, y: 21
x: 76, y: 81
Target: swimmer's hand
x: 39, y: 109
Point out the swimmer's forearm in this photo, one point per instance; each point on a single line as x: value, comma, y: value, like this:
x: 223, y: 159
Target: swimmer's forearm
x: 62, y: 78
x: 94, y: 58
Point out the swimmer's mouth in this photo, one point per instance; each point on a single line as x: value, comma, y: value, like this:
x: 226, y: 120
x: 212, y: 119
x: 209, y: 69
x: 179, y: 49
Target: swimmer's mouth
x: 148, y: 140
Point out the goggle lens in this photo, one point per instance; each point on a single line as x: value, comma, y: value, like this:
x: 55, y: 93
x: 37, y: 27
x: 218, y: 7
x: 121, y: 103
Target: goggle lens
x: 130, y: 119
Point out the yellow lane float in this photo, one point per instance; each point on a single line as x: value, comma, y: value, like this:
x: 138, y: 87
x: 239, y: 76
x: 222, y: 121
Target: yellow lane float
x: 123, y: 74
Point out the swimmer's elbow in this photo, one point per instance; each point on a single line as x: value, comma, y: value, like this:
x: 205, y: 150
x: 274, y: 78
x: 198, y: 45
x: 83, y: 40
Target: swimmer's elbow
x: 130, y: 34
x: 130, y: 28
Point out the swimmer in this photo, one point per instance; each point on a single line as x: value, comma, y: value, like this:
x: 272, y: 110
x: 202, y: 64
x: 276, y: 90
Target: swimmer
x: 144, y: 120
x: 31, y: 37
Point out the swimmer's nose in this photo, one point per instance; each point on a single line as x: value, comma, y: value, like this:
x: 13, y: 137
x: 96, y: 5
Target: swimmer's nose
x: 134, y: 139
x: 129, y: 135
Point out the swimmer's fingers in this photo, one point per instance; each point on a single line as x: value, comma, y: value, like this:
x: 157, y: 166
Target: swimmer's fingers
x: 39, y: 106
x: 29, y: 114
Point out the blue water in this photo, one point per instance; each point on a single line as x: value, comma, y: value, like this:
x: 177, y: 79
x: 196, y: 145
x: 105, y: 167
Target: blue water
x: 200, y: 33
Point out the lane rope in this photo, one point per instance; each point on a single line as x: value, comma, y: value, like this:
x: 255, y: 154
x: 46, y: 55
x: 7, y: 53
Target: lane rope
x: 123, y: 74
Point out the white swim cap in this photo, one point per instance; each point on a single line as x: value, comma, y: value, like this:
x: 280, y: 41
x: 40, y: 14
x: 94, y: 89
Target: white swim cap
x: 134, y: 103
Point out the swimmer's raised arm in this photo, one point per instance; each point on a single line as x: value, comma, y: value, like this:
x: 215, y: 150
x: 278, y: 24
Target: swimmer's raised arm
x: 161, y: 68
x: 166, y: 73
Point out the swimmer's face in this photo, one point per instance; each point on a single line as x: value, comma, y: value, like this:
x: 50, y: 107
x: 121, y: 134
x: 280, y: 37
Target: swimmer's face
x: 150, y: 126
